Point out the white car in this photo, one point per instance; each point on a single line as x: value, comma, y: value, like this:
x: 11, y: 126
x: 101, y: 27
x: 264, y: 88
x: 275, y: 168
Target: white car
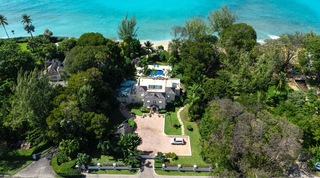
x: 177, y: 141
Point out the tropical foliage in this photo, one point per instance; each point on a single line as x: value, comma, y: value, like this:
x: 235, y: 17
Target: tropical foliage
x: 252, y: 124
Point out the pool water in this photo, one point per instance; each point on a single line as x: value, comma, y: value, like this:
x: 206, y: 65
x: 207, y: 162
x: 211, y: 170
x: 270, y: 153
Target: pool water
x: 156, y: 73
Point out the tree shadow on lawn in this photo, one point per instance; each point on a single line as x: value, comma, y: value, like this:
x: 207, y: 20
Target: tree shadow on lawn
x: 6, y: 166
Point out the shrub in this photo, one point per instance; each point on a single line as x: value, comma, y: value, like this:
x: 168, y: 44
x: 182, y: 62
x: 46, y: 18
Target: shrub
x: 189, y: 127
x: 163, y: 111
x: 159, y: 158
x: 172, y: 155
x: 131, y: 122
x: 145, y: 110
x: 62, y: 157
x: 176, y: 126
x: 65, y: 168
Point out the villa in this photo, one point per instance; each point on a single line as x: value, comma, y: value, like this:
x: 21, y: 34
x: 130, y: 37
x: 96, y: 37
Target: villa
x: 155, y: 90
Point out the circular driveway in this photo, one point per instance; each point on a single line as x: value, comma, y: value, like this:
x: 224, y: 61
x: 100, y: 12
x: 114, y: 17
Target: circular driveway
x: 151, y: 131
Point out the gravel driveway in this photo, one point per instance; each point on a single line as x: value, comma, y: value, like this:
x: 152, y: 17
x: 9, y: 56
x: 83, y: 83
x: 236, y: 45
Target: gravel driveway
x: 151, y: 131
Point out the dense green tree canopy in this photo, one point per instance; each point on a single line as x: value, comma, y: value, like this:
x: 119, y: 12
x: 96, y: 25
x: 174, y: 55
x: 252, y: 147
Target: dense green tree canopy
x: 221, y: 19
x: 91, y: 39
x: 12, y: 59
x: 31, y: 104
x: 196, y: 28
x: 127, y: 29
x: 250, y: 144
x: 240, y: 36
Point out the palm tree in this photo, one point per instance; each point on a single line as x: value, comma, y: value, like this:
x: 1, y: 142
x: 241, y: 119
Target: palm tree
x: 3, y: 21
x: 27, y: 22
x: 281, y: 83
x: 47, y: 33
x: 148, y: 48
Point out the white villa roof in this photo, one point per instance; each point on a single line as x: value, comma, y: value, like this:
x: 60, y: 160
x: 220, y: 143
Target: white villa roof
x: 159, y: 81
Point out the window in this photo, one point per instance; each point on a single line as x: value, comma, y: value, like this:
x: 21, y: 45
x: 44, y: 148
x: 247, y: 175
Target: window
x: 160, y: 101
x: 155, y: 87
x: 148, y: 101
x: 174, y: 85
x: 142, y: 94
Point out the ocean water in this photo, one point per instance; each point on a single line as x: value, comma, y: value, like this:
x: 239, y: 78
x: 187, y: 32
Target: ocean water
x: 155, y: 18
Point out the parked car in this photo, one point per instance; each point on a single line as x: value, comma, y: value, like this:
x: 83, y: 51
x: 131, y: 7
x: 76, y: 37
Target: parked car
x: 317, y: 166
x: 177, y: 141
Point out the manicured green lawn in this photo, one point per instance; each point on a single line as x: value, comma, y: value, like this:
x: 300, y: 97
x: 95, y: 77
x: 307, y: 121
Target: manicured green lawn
x: 171, y: 124
x: 11, y: 167
x: 128, y: 172
x: 194, y: 135
x: 109, y: 160
x: 18, y: 159
x: 136, y: 111
x: 23, y: 46
x: 195, y: 147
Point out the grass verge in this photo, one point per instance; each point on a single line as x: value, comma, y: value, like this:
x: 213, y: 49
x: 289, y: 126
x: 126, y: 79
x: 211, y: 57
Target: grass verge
x: 135, y: 108
x: 109, y: 160
x: 172, y: 125
x: 127, y: 172
x: 188, y: 161
x: 11, y: 167
x: 17, y: 160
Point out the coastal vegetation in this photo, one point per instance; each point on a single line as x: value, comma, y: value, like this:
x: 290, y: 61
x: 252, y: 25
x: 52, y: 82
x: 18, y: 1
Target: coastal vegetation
x: 243, y: 116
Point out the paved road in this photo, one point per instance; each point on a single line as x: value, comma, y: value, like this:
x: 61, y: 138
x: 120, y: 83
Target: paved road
x: 37, y: 169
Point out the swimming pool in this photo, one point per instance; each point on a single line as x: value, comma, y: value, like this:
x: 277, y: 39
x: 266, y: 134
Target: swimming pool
x: 156, y: 73
x: 125, y: 88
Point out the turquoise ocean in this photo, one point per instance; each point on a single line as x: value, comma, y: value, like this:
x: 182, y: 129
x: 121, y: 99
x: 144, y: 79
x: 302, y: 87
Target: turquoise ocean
x: 155, y: 18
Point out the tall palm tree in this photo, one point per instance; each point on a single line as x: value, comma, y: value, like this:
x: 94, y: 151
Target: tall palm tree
x: 27, y: 22
x: 3, y: 21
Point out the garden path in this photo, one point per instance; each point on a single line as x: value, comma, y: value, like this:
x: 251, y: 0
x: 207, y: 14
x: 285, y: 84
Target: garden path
x: 180, y: 121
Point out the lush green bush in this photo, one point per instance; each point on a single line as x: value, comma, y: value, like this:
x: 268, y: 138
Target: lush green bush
x: 189, y: 127
x: 131, y: 122
x: 162, y: 111
x: 62, y: 157
x: 171, y: 155
x: 64, y: 169
x: 91, y: 39
x: 159, y: 158
x: 176, y: 126
x: 145, y: 110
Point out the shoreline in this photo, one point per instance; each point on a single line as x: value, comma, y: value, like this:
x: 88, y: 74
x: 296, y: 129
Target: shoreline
x: 156, y: 43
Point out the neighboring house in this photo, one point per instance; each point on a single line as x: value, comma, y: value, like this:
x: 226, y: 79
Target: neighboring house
x: 54, y: 70
x: 151, y: 91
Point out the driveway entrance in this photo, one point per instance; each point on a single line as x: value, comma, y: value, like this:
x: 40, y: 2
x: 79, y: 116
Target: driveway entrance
x: 151, y: 131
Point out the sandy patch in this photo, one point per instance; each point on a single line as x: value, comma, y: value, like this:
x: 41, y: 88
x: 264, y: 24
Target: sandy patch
x: 164, y: 43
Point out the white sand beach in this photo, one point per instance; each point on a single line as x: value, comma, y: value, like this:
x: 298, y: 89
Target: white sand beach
x: 157, y: 43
